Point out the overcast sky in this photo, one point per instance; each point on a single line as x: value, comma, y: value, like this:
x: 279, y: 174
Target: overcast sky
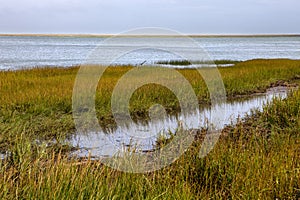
x: 114, y: 16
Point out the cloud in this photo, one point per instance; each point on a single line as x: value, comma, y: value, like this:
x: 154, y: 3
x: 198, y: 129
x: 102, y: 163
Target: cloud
x: 210, y: 16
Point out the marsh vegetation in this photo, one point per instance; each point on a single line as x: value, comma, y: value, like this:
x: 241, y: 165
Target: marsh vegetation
x: 258, y: 158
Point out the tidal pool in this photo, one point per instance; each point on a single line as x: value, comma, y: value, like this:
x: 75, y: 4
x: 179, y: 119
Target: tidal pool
x: 143, y: 135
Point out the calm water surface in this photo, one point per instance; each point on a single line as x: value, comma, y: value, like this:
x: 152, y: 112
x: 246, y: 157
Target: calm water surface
x: 143, y: 135
x: 28, y: 51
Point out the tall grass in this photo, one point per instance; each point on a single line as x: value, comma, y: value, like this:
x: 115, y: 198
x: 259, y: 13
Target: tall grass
x: 38, y: 101
x: 256, y: 159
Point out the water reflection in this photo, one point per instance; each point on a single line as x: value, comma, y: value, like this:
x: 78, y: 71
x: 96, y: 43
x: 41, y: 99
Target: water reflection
x: 143, y: 135
x: 3, y: 156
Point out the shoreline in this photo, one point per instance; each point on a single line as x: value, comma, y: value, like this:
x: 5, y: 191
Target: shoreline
x: 216, y: 63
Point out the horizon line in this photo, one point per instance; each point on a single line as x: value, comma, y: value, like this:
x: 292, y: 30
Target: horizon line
x: 149, y: 35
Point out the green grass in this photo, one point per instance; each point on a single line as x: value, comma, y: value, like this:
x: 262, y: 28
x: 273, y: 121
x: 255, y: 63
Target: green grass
x: 256, y: 159
x: 38, y: 102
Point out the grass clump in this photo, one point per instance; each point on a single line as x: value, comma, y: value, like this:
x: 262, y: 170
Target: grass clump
x: 187, y: 62
x: 174, y: 62
x: 256, y: 159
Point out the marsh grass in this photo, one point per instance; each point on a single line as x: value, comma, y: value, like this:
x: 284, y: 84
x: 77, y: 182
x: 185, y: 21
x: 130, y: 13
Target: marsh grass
x: 38, y: 101
x: 256, y: 159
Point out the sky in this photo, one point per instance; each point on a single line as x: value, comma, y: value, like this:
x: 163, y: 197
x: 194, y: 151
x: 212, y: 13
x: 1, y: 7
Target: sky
x: 185, y: 16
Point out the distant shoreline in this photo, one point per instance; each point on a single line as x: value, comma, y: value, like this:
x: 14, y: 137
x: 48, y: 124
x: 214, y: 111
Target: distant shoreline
x: 145, y: 35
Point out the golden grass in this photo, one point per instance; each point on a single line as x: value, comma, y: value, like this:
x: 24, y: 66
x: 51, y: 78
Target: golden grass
x: 257, y: 159
x: 40, y: 100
